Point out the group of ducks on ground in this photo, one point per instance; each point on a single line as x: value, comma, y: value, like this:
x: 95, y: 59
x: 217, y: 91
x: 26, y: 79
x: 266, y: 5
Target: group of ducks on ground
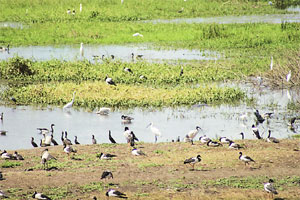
x: 131, y: 138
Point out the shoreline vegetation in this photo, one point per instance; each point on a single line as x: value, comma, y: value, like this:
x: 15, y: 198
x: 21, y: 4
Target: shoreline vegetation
x: 219, y: 175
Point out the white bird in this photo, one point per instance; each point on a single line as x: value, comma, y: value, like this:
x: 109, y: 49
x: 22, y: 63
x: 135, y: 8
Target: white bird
x: 193, y: 161
x: 270, y: 188
x: 70, y: 104
x: 224, y: 140
x: 103, y: 111
x: 115, y: 193
x: 270, y: 3
x: 204, y: 139
x: 68, y: 11
x: 245, y: 159
x: 192, y: 134
x: 154, y: 130
x: 47, y: 139
x: 288, y: 76
x: 288, y: 95
x: 45, y: 157
x: 40, y: 196
x: 109, y: 81
x: 137, y: 152
x: 68, y: 149
x: 81, y: 49
x: 80, y: 7
x: 271, y: 64
x: 137, y: 34
x: 122, y: 1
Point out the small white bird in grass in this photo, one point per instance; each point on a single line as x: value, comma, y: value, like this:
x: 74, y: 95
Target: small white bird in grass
x: 70, y: 104
x: 269, y: 187
x: 154, y: 130
x: 245, y: 159
x: 40, y: 196
x: 68, y: 11
x: 115, y: 193
x: 80, y: 8
x: 137, y: 152
x: 288, y: 76
x: 137, y: 34
x: 193, y: 133
x: 271, y: 64
x: 103, y: 111
x: 2, y: 194
x: 81, y: 49
x: 193, y: 161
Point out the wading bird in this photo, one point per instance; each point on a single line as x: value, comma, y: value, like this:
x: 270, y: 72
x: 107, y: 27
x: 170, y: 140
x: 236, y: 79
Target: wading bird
x: 154, y: 130
x: 193, y: 161
x: 70, y: 104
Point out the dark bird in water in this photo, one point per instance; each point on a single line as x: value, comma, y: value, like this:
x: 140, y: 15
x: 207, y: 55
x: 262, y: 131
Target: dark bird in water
x: 256, y: 132
x: 40, y: 196
x: 258, y: 116
x: 193, y: 161
x: 115, y: 193
x: 269, y: 187
x: 245, y: 159
x: 33, y: 143
x: 76, y: 141
x: 111, y: 138
x: 106, y: 175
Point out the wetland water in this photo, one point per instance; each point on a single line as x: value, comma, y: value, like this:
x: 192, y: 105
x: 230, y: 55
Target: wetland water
x: 120, y: 53
x: 22, y: 122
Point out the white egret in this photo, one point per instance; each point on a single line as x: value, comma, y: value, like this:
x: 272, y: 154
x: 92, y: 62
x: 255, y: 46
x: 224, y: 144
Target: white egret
x: 288, y: 76
x: 80, y: 8
x: 81, y: 49
x: 271, y: 64
x: 70, y: 104
x: 154, y: 130
x: 137, y: 34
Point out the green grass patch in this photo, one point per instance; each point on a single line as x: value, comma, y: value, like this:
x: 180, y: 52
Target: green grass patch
x: 10, y: 164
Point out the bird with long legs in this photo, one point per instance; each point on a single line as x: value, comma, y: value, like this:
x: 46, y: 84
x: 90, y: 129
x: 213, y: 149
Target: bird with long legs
x: 70, y: 104
x: 245, y: 159
x: 154, y: 130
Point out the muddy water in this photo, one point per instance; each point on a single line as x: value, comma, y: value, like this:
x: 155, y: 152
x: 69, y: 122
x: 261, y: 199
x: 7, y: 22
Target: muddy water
x: 22, y: 122
x: 122, y: 53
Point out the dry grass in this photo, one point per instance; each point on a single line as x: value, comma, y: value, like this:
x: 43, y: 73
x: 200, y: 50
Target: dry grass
x: 161, y: 174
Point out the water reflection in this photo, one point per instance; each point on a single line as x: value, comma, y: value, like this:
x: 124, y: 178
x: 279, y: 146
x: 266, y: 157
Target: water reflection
x: 11, y: 25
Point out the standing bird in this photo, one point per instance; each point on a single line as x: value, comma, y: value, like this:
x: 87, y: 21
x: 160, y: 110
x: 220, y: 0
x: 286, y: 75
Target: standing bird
x: 106, y: 175
x: 181, y: 71
x: 245, y: 159
x: 270, y: 188
x: 53, y: 140
x: 70, y: 104
x: 258, y: 116
x: 81, y: 49
x: 271, y: 64
x: 115, y: 193
x: 66, y: 140
x: 126, y: 119
x: 243, y: 136
x: 288, y: 76
x: 111, y: 139
x: 68, y: 149
x: 193, y: 161
x: 272, y: 139
x: 256, y: 132
x: 45, y: 157
x: 40, y: 196
x: 33, y: 143
x: 76, y: 141
x: 154, y: 130
x: 193, y: 133
x: 109, y: 81
x: 94, y: 141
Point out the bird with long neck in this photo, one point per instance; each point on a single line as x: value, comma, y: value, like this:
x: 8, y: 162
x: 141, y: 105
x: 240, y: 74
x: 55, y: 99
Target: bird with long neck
x: 70, y: 104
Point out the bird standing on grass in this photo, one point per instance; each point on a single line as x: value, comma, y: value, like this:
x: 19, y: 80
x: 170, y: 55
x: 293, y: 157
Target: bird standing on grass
x: 193, y: 133
x: 193, y: 161
x: 53, y: 140
x: 245, y: 159
x: 45, y: 157
x: 40, y: 196
x: 94, y: 141
x: 70, y: 104
x: 68, y: 149
x: 256, y: 132
x: 76, y: 141
x: 288, y: 76
x: 111, y: 139
x: 115, y: 193
x: 272, y: 139
x: 270, y: 188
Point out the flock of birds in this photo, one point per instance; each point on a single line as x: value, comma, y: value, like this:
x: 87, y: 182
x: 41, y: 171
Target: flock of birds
x: 131, y: 138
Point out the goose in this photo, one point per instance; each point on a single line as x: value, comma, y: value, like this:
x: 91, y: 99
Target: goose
x: 76, y: 141
x: 204, y: 139
x: 224, y: 140
x: 5, y: 48
x: 17, y: 156
x: 126, y: 69
x: 40, y: 196
x: 1, y: 176
x: 46, y: 140
x: 272, y: 139
x: 181, y: 71
x: 103, y: 111
x: 73, y: 12
x: 258, y: 116
x: 211, y: 143
x: 245, y: 159
x: 42, y: 144
x: 109, y: 81
x: 94, y: 141
x: 126, y: 119
x: 106, y: 156
x: 70, y: 104
x: 132, y: 138
x: 233, y: 145
x: 192, y: 161
x: 127, y: 134
x: 142, y: 77
x: 3, y: 195
x: 53, y: 140
x: 3, y: 132
x: 192, y: 134
x: 68, y: 149
x: 154, y: 130
x: 7, y: 156
x: 267, y: 115
x: 66, y: 140
x: 111, y: 139
x: 256, y: 132
x: 269, y: 187
x: 115, y: 193
x: 243, y: 136
x: 106, y: 175
x: 137, y: 152
x: 45, y: 157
